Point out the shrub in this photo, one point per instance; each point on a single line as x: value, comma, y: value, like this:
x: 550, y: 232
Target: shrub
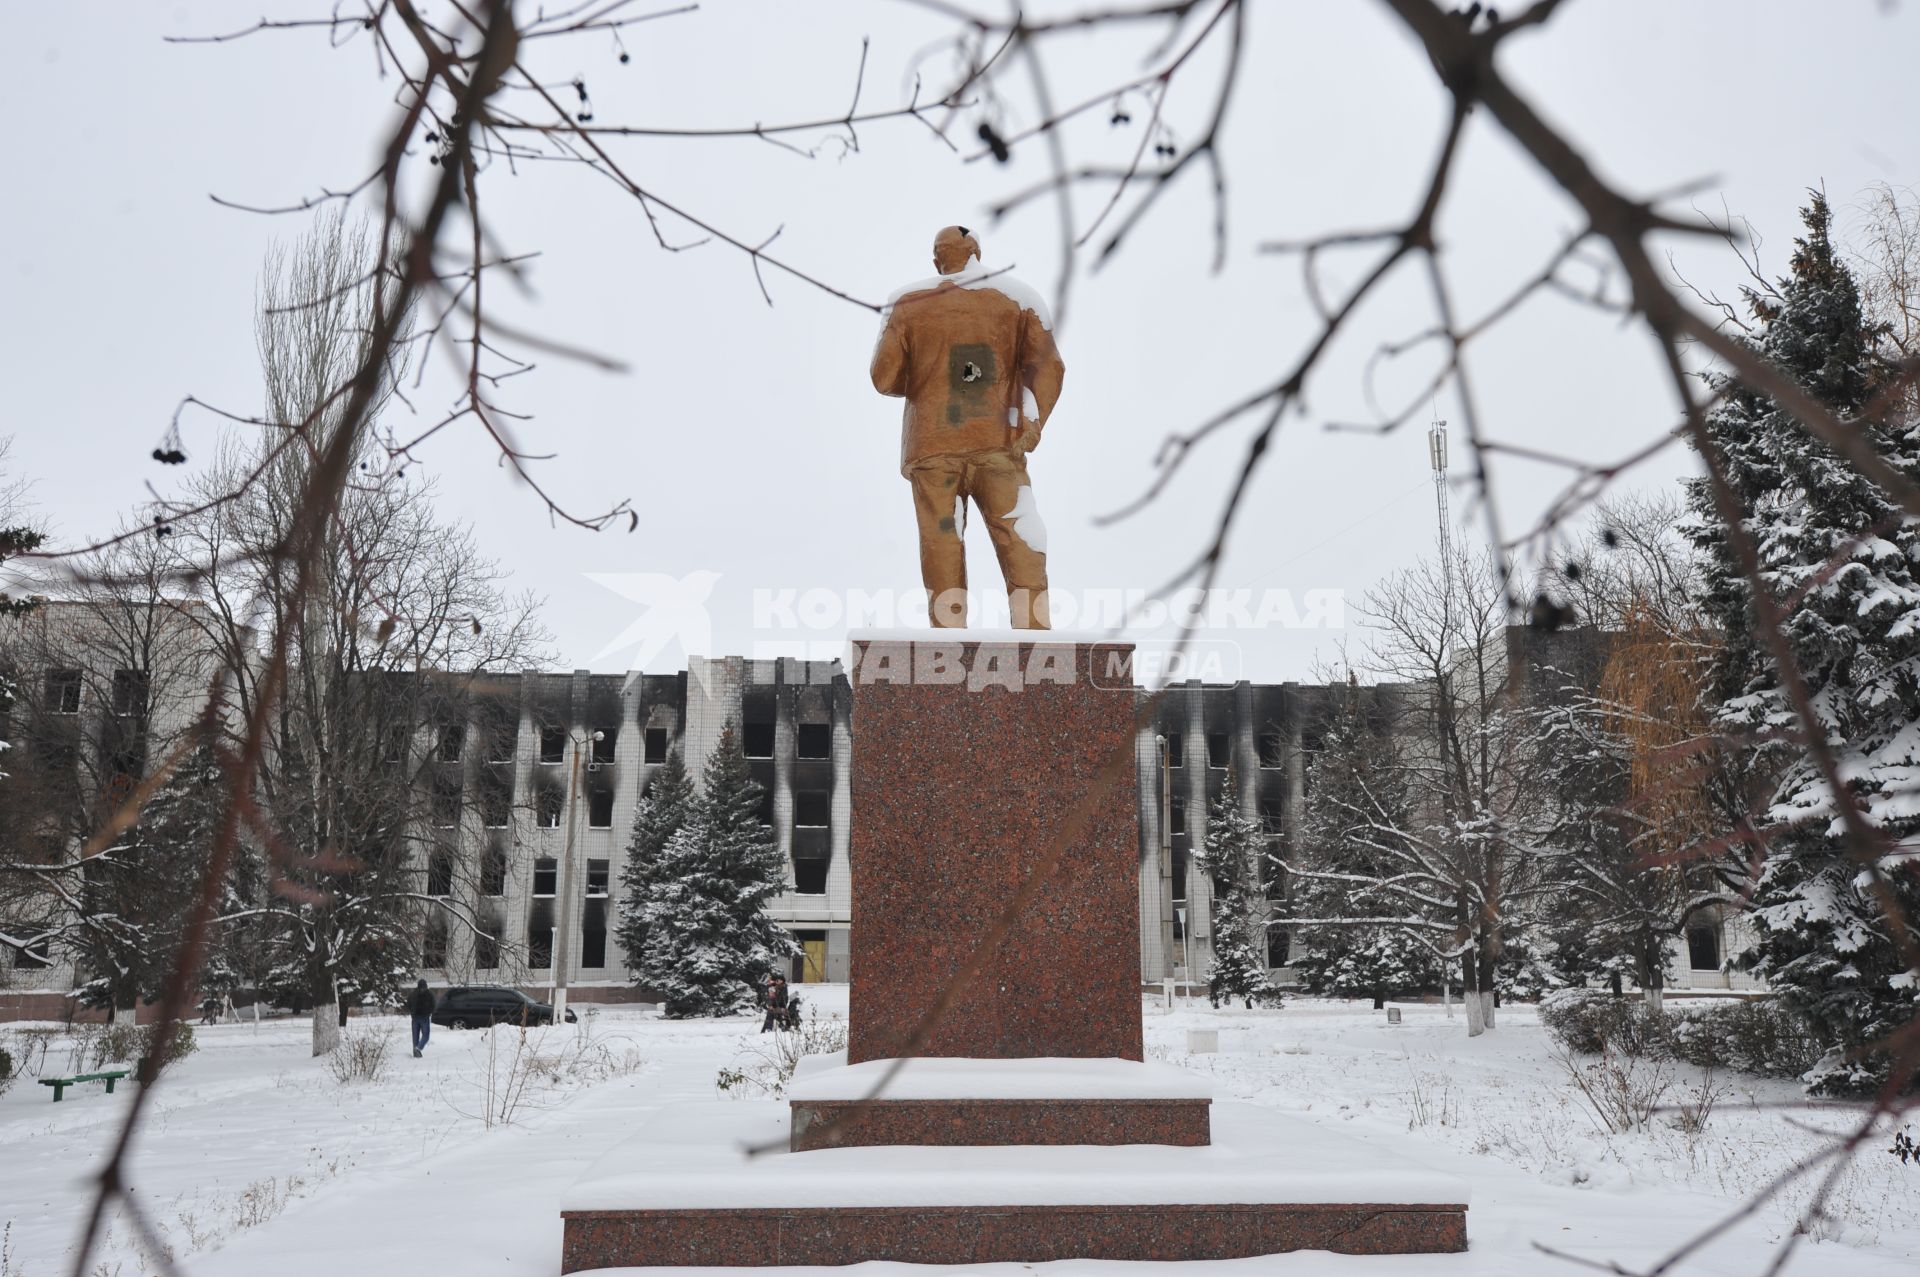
x: 6, y: 1069
x: 360, y: 1056
x: 1753, y: 1036
x: 112, y: 1044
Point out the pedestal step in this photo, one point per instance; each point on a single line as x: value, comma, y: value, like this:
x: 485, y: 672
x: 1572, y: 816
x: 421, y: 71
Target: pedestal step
x: 698, y: 1187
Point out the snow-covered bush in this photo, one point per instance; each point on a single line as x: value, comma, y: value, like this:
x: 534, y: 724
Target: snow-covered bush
x: 112, y: 1044
x: 770, y: 1070
x: 6, y: 1069
x: 1753, y: 1036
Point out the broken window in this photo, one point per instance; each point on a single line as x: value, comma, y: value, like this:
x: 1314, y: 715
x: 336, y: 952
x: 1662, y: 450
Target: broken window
x: 446, y: 799
x: 1271, y: 752
x: 547, y: 804
x: 757, y: 740
x: 433, y: 945
x: 546, y: 877
x: 63, y: 691
x: 1703, y: 946
x: 130, y: 689
x: 810, y: 875
x: 656, y: 745
x: 553, y: 743
x: 599, y: 875
x: 603, y: 744
x: 812, y: 807
x: 1278, y: 945
x: 503, y: 733
x: 1175, y: 750
x: 593, y: 933
x: 540, y: 935
x: 1219, y: 750
x: 816, y: 740
x: 440, y: 873
x: 496, y: 797
x: 486, y: 945
x: 453, y: 738
x: 493, y: 873
x: 600, y: 805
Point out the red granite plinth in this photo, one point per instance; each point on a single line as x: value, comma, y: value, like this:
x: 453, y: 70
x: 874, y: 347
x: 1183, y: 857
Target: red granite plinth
x: 1000, y: 1234
x: 845, y: 1124
x: 968, y: 756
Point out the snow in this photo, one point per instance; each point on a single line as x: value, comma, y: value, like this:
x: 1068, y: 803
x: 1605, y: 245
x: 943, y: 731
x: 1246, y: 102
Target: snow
x: 712, y: 1157
x: 282, y: 1170
x: 1025, y: 516
x: 975, y: 275
x: 1047, y: 1079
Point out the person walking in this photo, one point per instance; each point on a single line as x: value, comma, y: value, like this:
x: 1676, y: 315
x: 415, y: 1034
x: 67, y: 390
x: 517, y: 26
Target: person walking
x: 421, y: 1005
x: 775, y: 1003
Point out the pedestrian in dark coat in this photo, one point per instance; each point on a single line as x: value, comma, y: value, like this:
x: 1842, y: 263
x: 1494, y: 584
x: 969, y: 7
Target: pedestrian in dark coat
x: 421, y: 1005
x: 775, y: 1003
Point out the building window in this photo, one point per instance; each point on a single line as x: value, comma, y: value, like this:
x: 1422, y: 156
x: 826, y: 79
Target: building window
x: 493, y: 873
x: 433, y: 945
x: 600, y: 805
x: 1177, y: 816
x: 813, y: 807
x: 603, y: 744
x: 547, y: 804
x: 810, y: 875
x: 63, y: 691
x: 496, y: 797
x: 553, y: 743
x: 593, y: 933
x: 1179, y: 875
x: 453, y: 739
x: 1279, y: 944
x: 1703, y: 946
x: 486, y: 945
x: 540, y: 935
x: 656, y: 745
x: 816, y: 740
x: 446, y: 799
x: 31, y: 956
x: 130, y: 688
x: 503, y: 735
x: 1271, y: 753
x: 1273, y: 818
x: 766, y: 806
x: 757, y: 740
x: 546, y: 877
x: 1175, y: 748
x: 440, y: 873
x: 598, y: 877
x: 1219, y: 750
x: 397, y: 736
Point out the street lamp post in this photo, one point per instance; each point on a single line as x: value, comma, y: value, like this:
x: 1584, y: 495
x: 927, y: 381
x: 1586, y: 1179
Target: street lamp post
x: 563, y: 947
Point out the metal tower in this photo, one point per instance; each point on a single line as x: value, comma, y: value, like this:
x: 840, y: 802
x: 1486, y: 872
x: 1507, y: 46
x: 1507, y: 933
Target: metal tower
x: 1437, y: 453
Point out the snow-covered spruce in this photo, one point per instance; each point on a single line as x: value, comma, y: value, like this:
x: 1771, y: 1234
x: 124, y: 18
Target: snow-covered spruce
x: 1235, y: 850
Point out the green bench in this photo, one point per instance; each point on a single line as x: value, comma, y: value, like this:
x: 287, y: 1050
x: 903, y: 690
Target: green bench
x: 60, y: 1084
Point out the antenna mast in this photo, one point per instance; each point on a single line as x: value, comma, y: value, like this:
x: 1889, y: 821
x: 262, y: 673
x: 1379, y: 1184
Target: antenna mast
x: 1437, y: 454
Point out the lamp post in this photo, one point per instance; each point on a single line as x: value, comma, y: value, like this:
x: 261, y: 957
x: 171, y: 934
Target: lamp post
x: 563, y: 946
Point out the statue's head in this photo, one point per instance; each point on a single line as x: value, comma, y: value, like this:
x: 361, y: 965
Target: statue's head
x: 953, y: 248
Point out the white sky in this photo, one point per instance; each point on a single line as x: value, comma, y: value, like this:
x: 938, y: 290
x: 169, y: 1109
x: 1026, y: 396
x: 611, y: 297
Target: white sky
x: 748, y: 437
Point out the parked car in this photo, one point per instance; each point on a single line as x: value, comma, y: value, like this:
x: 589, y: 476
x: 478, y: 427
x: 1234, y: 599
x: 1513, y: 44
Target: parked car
x: 477, y: 1006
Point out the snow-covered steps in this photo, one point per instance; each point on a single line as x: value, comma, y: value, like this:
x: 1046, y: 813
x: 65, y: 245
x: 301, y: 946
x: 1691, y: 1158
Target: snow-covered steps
x: 713, y: 1183
x: 946, y: 1101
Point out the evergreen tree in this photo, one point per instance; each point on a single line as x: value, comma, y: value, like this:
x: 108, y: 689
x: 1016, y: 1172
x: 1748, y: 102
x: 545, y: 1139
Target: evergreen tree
x: 709, y: 943
x: 1357, y: 799
x: 662, y: 813
x: 1235, y: 849
x: 13, y: 541
x: 1837, y: 556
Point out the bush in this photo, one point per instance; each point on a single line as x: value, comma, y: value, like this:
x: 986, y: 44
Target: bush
x: 360, y: 1056
x: 112, y: 1044
x: 6, y: 1069
x: 1756, y: 1035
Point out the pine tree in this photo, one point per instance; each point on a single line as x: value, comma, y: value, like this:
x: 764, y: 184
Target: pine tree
x: 14, y: 541
x: 1838, y: 557
x: 1235, y: 848
x: 662, y: 812
x: 709, y: 943
x: 1357, y: 799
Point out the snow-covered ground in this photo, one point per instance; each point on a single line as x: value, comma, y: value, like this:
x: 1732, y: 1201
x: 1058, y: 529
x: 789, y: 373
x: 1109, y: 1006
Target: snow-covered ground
x: 257, y: 1161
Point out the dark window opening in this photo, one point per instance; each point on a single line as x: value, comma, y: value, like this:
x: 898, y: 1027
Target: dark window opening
x: 1179, y: 874
x: 1279, y: 944
x: 31, y: 956
x: 433, y: 945
x: 757, y: 740
x: 493, y: 873
x: 1271, y: 753
x: 1175, y: 746
x: 540, y: 935
x: 1219, y: 750
x: 810, y: 876
x: 63, y: 691
x: 603, y: 744
x: 1273, y: 817
x: 130, y: 690
x: 547, y: 804
x: 496, y: 797
x: 446, y: 799
x: 816, y: 740
x: 453, y: 739
x: 598, y: 876
x: 593, y: 933
x: 398, y: 735
x: 766, y: 807
x: 1703, y: 947
x: 813, y: 807
x: 600, y: 805
x: 440, y: 873
x: 553, y: 743
x: 1177, y: 815
x: 503, y: 735
x: 486, y: 945
x: 656, y: 745
x: 546, y: 877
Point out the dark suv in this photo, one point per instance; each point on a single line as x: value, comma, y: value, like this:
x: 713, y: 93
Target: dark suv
x: 477, y: 1006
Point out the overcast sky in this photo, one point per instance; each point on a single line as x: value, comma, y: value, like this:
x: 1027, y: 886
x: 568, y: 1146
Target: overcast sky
x: 748, y: 438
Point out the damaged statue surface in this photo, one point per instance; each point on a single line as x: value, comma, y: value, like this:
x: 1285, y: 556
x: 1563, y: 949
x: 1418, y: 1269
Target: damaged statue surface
x: 972, y: 353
